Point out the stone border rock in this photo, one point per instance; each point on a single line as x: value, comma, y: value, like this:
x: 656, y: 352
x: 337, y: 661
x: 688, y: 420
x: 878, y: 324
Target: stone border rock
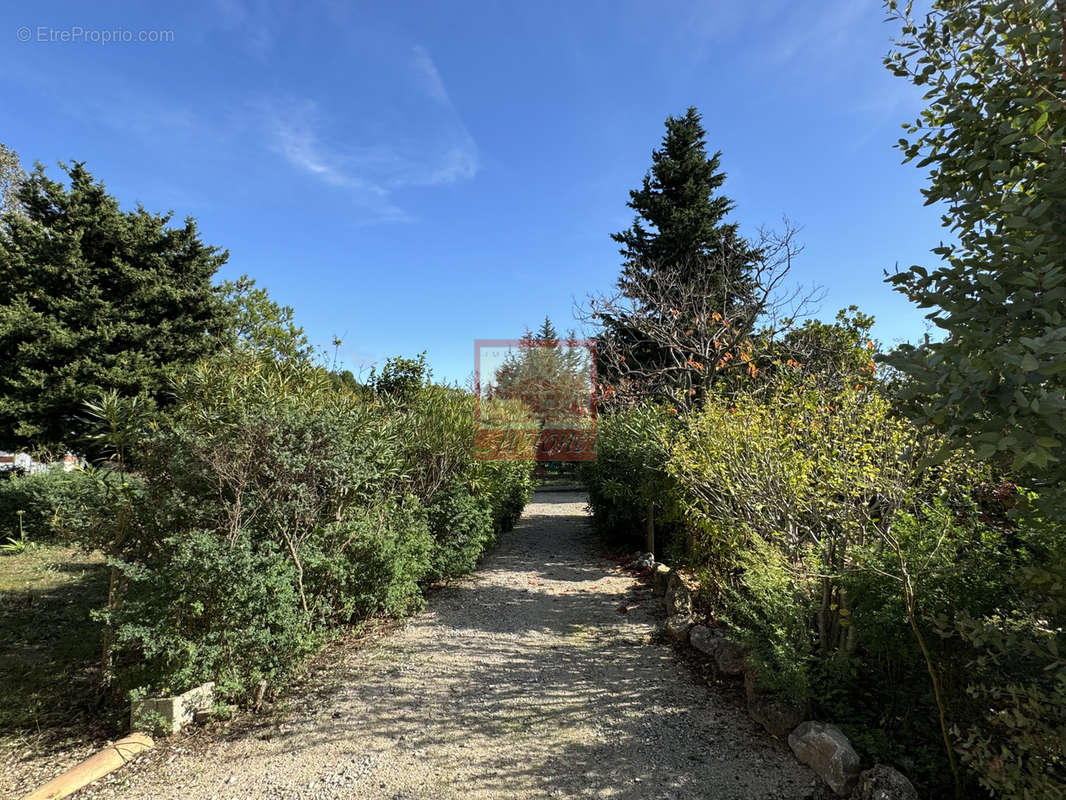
x: 821, y: 746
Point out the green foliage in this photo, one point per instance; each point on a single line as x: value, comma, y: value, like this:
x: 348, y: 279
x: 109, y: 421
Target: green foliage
x: 993, y: 136
x: 15, y: 546
x: 437, y: 431
x: 1016, y: 677
x: 438, y: 428
x: 826, y: 542
x: 371, y: 563
x: 829, y: 547
x: 462, y: 527
x: 249, y: 500
x: 56, y: 505
x: 260, y: 325
x: 678, y: 199
x: 766, y: 614
x: 94, y: 298
x: 400, y: 378
x: 507, y: 486
x: 207, y: 609
x: 344, y: 379
x: 269, y: 506
x: 463, y: 494
x: 11, y: 175
x: 682, y: 262
x: 834, y: 356
x: 629, y: 474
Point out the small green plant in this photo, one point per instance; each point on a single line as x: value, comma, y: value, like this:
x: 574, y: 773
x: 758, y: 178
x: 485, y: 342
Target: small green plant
x: 15, y: 546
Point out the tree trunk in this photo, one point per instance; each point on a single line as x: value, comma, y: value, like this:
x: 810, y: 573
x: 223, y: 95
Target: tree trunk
x: 650, y: 543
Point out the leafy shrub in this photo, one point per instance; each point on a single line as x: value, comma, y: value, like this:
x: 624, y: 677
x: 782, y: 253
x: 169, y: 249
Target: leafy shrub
x: 462, y: 527
x: 271, y: 505
x: 373, y: 562
x: 832, y: 544
x: 1015, y: 741
x: 438, y: 427
x: 270, y: 465
x: 506, y: 486
x: 207, y: 609
x: 55, y: 503
x: 772, y: 619
x: 629, y: 474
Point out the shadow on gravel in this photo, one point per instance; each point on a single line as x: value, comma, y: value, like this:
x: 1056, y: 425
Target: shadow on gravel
x: 586, y: 720
x: 522, y: 683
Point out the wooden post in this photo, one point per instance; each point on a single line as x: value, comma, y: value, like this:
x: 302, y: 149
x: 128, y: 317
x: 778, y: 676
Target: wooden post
x: 106, y: 761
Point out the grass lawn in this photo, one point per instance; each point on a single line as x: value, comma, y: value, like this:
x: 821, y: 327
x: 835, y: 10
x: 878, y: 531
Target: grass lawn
x: 49, y: 647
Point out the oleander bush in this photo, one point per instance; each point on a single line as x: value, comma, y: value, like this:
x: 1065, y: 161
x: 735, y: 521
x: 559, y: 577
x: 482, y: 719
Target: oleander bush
x: 462, y: 528
x: 469, y: 500
x: 507, y: 486
x: 629, y: 475
x: 268, y: 507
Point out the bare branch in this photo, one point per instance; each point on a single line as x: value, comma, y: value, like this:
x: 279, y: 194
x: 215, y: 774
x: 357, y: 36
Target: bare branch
x: 677, y: 328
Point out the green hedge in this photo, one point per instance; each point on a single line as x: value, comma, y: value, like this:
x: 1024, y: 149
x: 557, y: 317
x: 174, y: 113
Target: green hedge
x: 808, y: 514
x: 629, y: 474
x: 268, y: 507
x: 54, y: 504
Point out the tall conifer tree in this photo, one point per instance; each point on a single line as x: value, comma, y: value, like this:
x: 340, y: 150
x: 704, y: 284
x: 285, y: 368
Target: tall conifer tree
x: 94, y: 298
x: 681, y: 216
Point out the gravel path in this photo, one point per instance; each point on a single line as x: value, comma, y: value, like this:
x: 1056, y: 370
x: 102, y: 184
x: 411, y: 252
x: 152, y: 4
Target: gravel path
x: 522, y: 681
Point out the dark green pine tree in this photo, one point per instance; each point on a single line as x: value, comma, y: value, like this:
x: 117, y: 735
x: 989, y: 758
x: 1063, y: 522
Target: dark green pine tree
x: 681, y: 219
x: 94, y: 298
x: 547, y: 332
x: 679, y: 252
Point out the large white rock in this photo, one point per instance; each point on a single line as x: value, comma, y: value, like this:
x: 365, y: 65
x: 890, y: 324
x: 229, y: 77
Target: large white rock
x: 678, y: 626
x: 884, y: 783
x: 826, y: 750
x: 678, y: 597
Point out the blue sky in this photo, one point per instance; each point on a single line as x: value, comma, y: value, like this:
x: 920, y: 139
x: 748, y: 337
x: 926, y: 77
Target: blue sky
x: 415, y: 176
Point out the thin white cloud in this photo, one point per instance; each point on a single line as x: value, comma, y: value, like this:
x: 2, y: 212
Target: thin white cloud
x: 429, y: 76
x: 293, y: 136
x: 430, y: 147
x: 459, y: 163
x: 821, y: 35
